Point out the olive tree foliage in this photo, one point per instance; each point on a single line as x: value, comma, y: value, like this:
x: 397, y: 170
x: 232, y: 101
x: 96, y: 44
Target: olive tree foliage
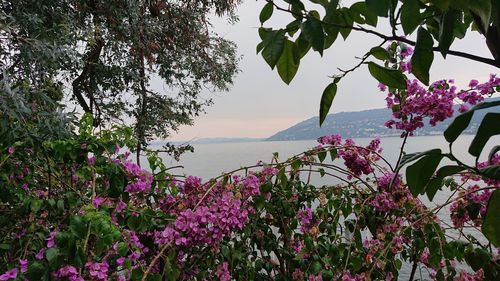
x: 105, y: 54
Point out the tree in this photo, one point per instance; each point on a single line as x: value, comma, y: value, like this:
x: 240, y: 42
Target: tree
x: 108, y: 53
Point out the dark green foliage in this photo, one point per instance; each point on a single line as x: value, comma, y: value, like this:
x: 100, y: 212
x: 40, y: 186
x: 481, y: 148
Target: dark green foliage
x: 107, y: 54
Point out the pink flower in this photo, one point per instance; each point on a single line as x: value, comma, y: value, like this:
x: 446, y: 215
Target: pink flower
x: 91, y: 161
x: 40, y: 254
x: 98, y: 271
x: 51, y: 239
x: 298, y: 275
x: 11, y: 150
x: 10, y: 274
x: 382, y: 87
x: 24, y: 265
x: 97, y: 201
x: 223, y: 272
x: 316, y: 277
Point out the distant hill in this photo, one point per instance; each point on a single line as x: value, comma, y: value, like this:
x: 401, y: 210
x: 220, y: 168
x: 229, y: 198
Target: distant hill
x: 361, y: 124
x: 207, y: 141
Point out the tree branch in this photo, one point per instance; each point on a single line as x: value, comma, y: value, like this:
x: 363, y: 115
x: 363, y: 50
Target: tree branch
x: 491, y: 62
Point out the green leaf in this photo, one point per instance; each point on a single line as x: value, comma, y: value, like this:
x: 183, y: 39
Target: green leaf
x: 481, y: 9
x: 477, y: 258
x: 442, y: 4
x: 379, y: 7
x: 36, y: 270
x: 489, y: 127
x: 331, y: 36
x: 410, y: 15
x: 449, y: 170
x: 423, y: 56
x: 446, y: 34
x: 457, y: 126
x: 491, y: 227
x: 407, y: 158
x: 345, y: 19
x: 493, y: 152
x: 273, y: 47
x: 288, y: 64
x: 51, y: 255
x: 326, y: 101
x: 313, y: 32
x: 437, y: 182
x: 491, y: 172
x: 391, y: 77
x: 379, y: 53
x: 266, y: 12
x: 333, y: 154
x: 419, y: 174
x: 461, y: 122
x: 78, y: 226
x: 36, y: 205
x: 302, y: 44
x: 293, y: 27
x: 432, y: 187
x: 321, y: 156
x: 361, y: 14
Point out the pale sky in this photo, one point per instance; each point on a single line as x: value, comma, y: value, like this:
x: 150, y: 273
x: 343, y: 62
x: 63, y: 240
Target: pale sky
x: 259, y: 104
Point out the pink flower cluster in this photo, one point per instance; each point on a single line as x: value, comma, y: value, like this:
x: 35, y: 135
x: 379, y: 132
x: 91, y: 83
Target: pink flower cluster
x: 459, y: 212
x: 305, y: 217
x: 223, y: 272
x: 140, y: 180
x: 207, y: 223
x: 69, y: 272
x: 347, y: 276
x: 465, y: 276
x: 383, y: 202
x: 435, y: 103
x: 10, y: 274
x: 98, y: 271
x: 357, y: 159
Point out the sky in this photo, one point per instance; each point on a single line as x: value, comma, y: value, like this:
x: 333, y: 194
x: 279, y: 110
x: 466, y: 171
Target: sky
x: 259, y: 104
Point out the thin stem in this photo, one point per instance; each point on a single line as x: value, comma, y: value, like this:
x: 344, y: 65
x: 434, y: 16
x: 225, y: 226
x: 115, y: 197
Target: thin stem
x: 153, y: 262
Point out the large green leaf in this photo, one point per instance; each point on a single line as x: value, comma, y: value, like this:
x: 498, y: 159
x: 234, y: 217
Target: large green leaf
x: 441, y: 4
x: 419, y: 173
x: 446, y: 34
x: 326, y: 101
x: 273, y: 47
x: 481, y: 9
x: 410, y: 15
x: 387, y: 76
x: 36, y: 270
x: 342, y: 20
x: 266, y: 12
x: 423, y: 56
x: 379, y: 7
x: 492, y: 172
x: 460, y: 123
x: 288, y: 64
x: 491, y: 227
x: 361, y: 14
x: 490, y: 126
x: 407, y: 158
x: 313, y: 32
x: 379, y: 53
x: 493, y: 152
x: 437, y: 182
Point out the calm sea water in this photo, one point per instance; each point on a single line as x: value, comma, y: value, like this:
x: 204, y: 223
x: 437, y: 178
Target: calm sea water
x: 210, y: 160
